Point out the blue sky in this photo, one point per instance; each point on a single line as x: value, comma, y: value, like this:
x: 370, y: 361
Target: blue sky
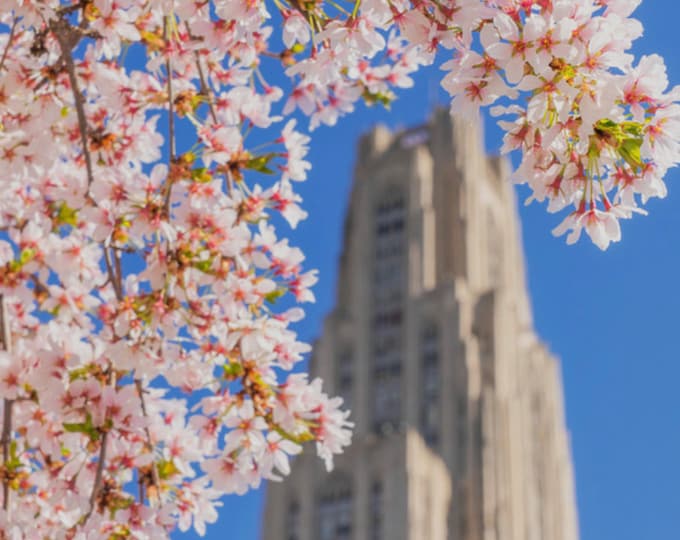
x: 612, y: 317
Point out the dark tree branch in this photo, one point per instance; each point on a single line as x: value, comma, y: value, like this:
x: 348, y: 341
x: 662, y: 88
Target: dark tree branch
x: 205, y: 89
x: 154, y: 470
x: 115, y: 281
x: 101, y: 464
x: 171, y: 117
x: 7, y: 412
x: 9, y: 44
x: 68, y: 37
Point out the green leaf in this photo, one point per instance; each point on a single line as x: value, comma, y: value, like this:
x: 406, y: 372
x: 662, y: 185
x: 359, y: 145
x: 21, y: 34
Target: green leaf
x: 79, y: 373
x: 86, y: 428
x: 634, y: 129
x: 75, y: 427
x: 371, y: 98
x: 260, y: 163
x: 166, y: 469
x: 629, y: 150
x: 204, y: 266
x: 232, y: 370
x: 201, y: 175
x: 606, y: 125
x: 67, y: 215
x: 13, y: 463
x: 300, y: 439
x: 25, y: 257
x: 273, y: 296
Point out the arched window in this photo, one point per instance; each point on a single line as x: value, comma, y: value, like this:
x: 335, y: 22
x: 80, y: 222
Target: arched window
x: 389, y: 270
x: 334, y: 509
x: 293, y: 521
x: 430, y: 384
x: 345, y: 375
x: 462, y: 432
x: 495, y: 250
x: 376, y: 517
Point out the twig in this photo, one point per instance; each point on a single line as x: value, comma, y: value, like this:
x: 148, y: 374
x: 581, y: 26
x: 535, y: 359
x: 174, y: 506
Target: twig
x: 98, y: 476
x: 68, y: 37
x: 117, y: 289
x: 101, y: 464
x: 6, y: 439
x: 171, y: 116
x: 205, y: 89
x: 39, y: 286
x: 154, y: 471
x: 140, y: 487
x: 9, y: 44
x: 7, y: 412
x: 230, y: 182
x: 67, y: 10
x: 119, y: 273
x: 100, y: 471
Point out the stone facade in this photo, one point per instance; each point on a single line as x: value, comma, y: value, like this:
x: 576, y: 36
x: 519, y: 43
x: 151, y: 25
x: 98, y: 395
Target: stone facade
x: 460, y: 431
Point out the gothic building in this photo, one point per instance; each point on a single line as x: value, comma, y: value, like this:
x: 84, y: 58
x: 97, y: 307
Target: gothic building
x: 460, y: 431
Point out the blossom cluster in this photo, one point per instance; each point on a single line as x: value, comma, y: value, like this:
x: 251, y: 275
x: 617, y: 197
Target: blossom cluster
x: 149, y: 152
x: 596, y: 130
x: 148, y: 358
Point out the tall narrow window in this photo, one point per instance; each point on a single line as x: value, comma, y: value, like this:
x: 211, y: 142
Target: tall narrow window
x: 345, y: 375
x: 334, y: 510
x: 462, y: 432
x: 293, y: 521
x: 430, y: 385
x: 495, y: 251
x: 376, y: 512
x: 389, y: 267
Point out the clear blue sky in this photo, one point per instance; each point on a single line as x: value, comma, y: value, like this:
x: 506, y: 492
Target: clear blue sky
x: 612, y: 317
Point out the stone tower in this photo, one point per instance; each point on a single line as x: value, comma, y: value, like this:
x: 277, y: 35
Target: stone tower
x: 460, y: 431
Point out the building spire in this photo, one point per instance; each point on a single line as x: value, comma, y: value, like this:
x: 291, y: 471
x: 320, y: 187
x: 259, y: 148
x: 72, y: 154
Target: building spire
x: 460, y: 430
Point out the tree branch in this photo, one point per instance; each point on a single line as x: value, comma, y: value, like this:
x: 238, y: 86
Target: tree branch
x: 154, y: 471
x: 205, y: 89
x: 7, y: 412
x: 119, y: 273
x: 68, y: 37
x: 98, y: 476
x: 115, y: 282
x: 67, y: 10
x: 6, y: 440
x: 171, y: 116
x: 9, y: 44
x: 101, y: 464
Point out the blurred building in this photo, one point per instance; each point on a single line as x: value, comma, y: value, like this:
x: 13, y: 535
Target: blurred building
x: 460, y: 431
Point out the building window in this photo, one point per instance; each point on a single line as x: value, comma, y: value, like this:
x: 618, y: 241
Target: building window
x: 462, y: 432
x: 345, y: 375
x: 293, y: 521
x: 335, y: 510
x: 430, y: 385
x: 495, y: 251
x: 389, y: 269
x: 376, y: 512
